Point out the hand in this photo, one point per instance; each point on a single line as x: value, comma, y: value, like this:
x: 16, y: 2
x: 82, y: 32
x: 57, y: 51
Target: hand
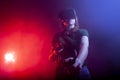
x: 69, y: 59
x: 77, y: 63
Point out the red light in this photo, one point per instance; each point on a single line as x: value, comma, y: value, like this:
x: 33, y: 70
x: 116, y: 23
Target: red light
x: 9, y: 57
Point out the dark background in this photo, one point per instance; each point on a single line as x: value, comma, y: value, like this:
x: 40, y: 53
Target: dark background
x: 28, y: 26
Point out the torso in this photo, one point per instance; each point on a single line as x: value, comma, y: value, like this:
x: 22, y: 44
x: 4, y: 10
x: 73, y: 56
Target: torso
x: 70, y: 43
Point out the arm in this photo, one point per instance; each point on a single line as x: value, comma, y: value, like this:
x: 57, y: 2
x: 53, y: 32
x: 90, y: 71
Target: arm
x: 83, y: 52
x: 55, y: 52
x: 53, y: 56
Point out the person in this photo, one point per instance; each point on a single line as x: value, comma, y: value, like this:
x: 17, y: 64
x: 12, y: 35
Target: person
x: 70, y: 48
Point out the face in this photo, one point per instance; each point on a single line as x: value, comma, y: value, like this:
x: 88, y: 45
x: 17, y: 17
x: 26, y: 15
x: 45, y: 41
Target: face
x: 68, y: 23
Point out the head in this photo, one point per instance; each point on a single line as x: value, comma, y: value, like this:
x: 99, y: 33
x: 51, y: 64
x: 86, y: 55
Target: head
x: 68, y: 18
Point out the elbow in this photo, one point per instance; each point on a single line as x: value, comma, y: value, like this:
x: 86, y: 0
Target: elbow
x: 50, y: 58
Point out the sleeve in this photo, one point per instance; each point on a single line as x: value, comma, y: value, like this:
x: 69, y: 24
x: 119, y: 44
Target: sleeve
x: 84, y: 32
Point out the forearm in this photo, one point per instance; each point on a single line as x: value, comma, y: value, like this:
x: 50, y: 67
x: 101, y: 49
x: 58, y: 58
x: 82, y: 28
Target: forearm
x: 83, y: 53
x: 52, y: 57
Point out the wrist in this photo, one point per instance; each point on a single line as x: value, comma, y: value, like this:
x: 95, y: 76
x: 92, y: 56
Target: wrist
x: 77, y: 60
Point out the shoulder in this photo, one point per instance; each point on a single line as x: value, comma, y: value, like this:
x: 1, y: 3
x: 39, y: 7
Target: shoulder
x: 84, y: 32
